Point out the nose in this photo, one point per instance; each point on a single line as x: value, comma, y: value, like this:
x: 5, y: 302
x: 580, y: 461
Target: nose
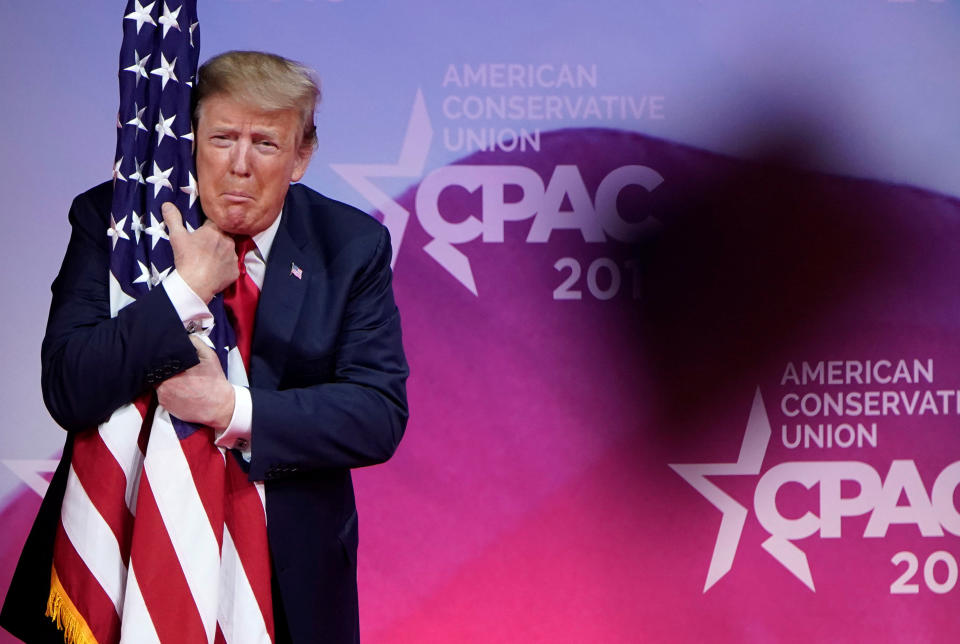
x: 240, y: 158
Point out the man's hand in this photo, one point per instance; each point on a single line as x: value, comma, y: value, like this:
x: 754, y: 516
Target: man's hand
x: 206, y: 259
x: 201, y: 394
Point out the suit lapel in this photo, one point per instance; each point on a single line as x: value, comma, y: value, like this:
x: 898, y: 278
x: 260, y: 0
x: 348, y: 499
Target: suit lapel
x: 281, y: 299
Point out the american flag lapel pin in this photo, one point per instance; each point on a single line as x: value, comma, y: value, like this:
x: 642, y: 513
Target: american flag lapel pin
x: 296, y: 271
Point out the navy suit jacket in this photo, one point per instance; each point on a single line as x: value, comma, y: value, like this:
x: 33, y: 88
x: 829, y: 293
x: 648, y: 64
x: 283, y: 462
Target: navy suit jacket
x: 327, y: 380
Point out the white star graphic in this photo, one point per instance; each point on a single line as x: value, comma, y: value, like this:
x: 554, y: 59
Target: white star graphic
x: 169, y: 19
x: 156, y: 276
x: 141, y: 14
x: 136, y: 225
x: 144, y: 277
x: 752, y: 450
x: 193, y: 27
x: 165, y: 70
x: 118, y: 299
x: 138, y: 119
x: 138, y: 173
x: 190, y: 189
x: 413, y: 156
x: 163, y: 127
x: 189, y: 137
x: 157, y: 231
x: 115, y: 231
x: 160, y: 179
x: 31, y: 471
x: 116, y: 170
x: 139, y: 66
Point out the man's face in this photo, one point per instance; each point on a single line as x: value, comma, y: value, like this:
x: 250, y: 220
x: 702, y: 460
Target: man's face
x: 246, y: 159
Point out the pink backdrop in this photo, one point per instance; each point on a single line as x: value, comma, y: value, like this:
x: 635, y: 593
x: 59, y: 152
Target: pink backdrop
x: 621, y: 296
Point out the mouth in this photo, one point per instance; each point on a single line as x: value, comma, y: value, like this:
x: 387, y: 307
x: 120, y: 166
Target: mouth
x: 236, y: 197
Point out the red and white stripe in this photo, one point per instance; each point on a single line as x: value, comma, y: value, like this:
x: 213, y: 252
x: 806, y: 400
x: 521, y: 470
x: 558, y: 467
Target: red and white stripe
x: 162, y: 540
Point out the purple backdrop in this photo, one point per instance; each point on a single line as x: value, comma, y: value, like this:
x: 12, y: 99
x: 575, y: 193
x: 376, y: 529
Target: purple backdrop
x: 677, y: 290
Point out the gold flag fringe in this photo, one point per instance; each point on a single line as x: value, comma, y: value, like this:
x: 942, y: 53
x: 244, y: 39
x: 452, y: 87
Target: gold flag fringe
x: 68, y: 619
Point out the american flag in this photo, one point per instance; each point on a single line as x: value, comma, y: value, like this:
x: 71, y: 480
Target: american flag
x: 162, y: 538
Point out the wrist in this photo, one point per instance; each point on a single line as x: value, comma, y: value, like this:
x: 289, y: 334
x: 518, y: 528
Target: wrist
x: 225, y: 409
x: 197, y: 285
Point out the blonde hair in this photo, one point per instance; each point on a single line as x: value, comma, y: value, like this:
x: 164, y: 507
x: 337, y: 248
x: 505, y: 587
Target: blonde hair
x: 265, y: 81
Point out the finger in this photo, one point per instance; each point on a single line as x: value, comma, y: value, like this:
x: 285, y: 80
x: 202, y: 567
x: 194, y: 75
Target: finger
x: 206, y: 353
x: 212, y: 225
x: 203, y: 346
x: 169, y: 384
x: 197, y: 342
x: 172, y: 218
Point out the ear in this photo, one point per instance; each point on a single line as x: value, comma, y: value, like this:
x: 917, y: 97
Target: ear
x: 303, y: 160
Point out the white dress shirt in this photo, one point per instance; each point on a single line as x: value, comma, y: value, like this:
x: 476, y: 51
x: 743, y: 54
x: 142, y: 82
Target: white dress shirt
x: 197, y: 319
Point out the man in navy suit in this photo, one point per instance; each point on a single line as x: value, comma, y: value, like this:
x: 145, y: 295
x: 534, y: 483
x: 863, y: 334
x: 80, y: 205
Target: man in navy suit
x: 327, y: 373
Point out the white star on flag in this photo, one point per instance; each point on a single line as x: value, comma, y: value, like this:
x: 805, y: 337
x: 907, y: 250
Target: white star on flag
x: 160, y: 179
x: 165, y: 70
x: 138, y: 173
x: 190, y: 188
x: 136, y: 225
x: 163, y: 127
x: 157, y: 231
x: 169, y: 19
x: 138, y: 119
x: 141, y: 14
x: 139, y: 66
x: 144, y: 277
x: 116, y: 170
x: 192, y: 28
x: 189, y: 136
x: 115, y: 231
x: 156, y: 276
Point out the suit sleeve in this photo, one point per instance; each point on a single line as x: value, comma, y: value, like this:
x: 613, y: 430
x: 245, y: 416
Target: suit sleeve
x: 356, y: 419
x: 92, y: 363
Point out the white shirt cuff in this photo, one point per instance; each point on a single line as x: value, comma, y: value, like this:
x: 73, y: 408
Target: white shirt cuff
x: 192, y: 310
x: 237, y: 433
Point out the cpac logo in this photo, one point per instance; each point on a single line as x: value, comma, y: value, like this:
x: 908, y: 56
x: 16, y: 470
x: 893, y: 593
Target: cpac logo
x: 596, y: 219
x: 930, y: 513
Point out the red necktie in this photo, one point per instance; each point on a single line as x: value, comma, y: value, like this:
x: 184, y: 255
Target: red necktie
x: 240, y: 300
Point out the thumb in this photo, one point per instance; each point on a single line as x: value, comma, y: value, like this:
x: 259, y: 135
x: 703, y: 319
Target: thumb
x: 172, y: 218
x: 203, y: 345
x: 205, y: 352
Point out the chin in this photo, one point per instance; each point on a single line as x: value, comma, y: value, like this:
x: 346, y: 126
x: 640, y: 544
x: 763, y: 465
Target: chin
x: 232, y: 220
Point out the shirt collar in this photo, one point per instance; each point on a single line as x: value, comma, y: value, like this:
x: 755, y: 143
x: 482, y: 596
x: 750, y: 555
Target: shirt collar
x: 264, y: 239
